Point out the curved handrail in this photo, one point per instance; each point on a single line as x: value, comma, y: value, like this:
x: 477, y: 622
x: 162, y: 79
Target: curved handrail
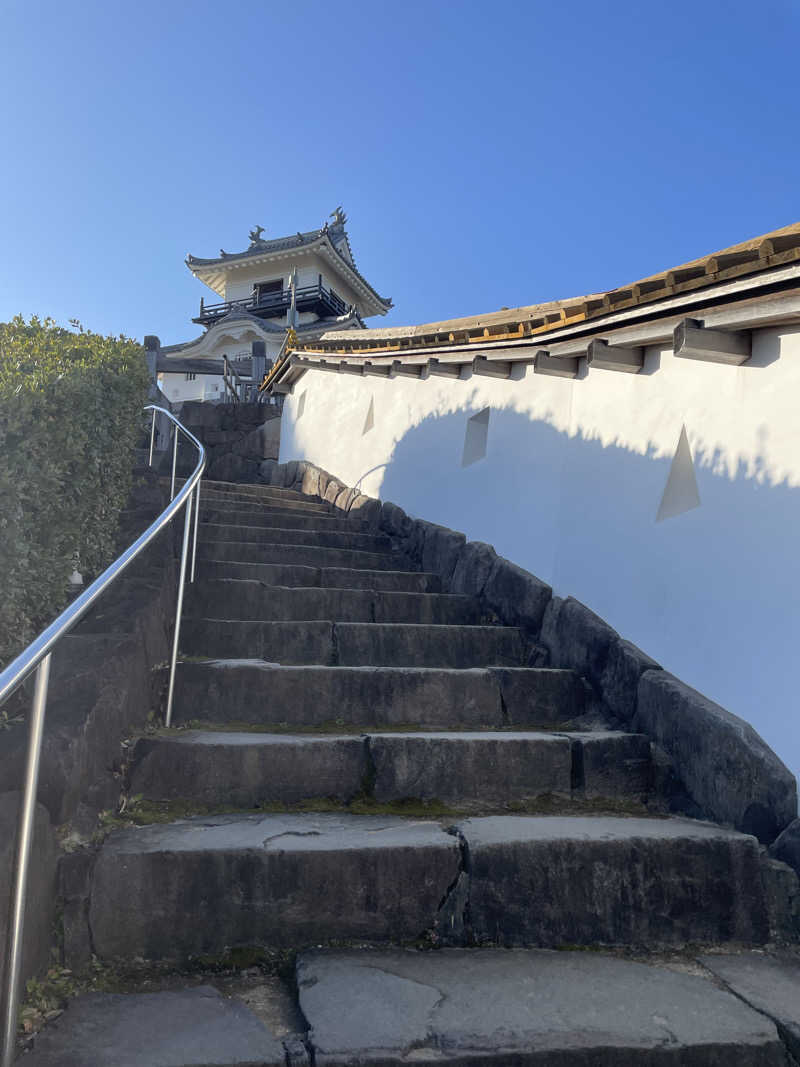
x: 36, y: 657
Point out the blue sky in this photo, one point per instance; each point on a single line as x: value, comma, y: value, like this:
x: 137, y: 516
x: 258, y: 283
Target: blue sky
x: 487, y: 154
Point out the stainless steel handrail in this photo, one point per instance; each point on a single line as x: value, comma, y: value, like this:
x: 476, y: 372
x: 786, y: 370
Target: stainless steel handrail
x: 36, y: 657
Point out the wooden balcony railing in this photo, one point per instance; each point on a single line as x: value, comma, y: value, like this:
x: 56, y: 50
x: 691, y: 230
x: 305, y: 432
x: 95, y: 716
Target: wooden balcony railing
x: 324, y: 302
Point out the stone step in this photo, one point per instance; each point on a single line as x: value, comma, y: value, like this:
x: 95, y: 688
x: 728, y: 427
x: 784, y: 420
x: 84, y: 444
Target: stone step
x: 277, y: 519
x: 322, y: 577
x: 257, y: 693
x: 247, y: 598
x: 195, y: 1027
x: 274, y: 535
x: 250, y: 490
x: 466, y: 770
x: 609, y: 880
x: 522, y: 1008
x: 202, y: 885
x: 231, y: 501
x: 355, y: 644
x: 299, y: 554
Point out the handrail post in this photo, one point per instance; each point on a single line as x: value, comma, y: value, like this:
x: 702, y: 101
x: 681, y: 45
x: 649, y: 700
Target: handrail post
x: 152, y: 437
x: 174, y: 459
x: 187, y: 526
x: 196, y: 521
x: 12, y: 971
x: 36, y: 658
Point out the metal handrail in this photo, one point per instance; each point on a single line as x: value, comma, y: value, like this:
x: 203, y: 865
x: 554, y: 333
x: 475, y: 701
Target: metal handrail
x: 36, y: 657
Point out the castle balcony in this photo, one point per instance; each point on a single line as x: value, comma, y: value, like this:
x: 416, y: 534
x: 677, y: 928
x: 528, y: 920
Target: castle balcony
x: 269, y: 305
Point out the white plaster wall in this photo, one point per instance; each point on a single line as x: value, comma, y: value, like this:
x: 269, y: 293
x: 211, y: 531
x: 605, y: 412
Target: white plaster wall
x: 238, y: 346
x: 571, y: 486
x: 240, y: 286
x: 204, y: 387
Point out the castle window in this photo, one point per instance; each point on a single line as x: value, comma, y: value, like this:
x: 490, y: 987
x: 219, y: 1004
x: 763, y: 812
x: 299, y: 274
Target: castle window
x: 263, y: 290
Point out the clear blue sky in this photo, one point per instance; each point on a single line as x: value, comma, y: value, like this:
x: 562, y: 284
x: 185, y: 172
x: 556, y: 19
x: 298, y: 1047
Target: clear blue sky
x: 487, y: 154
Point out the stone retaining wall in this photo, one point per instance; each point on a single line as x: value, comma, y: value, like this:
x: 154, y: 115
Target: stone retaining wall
x: 103, y: 684
x: 726, y: 772
x: 237, y: 437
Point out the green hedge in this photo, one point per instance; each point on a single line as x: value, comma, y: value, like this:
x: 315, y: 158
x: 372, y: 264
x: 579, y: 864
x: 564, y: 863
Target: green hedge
x: 70, y: 405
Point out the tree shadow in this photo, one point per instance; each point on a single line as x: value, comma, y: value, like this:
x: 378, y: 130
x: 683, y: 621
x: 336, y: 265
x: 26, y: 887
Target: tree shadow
x: 712, y: 594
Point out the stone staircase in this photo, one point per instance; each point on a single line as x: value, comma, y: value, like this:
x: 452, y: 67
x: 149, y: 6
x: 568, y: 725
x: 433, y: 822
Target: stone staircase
x: 366, y: 770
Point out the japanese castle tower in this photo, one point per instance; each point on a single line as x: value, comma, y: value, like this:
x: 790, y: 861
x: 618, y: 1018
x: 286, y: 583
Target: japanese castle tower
x: 308, y: 282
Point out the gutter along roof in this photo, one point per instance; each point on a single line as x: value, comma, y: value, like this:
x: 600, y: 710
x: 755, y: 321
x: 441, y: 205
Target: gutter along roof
x: 733, y: 274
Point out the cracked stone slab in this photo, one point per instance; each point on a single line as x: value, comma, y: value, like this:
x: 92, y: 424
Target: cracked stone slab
x: 325, y: 577
x: 573, y: 880
x: 347, y: 540
x: 465, y: 1007
x: 768, y: 983
x: 189, y: 1028
x: 199, y: 886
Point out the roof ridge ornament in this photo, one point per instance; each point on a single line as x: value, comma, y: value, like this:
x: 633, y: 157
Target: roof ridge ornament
x: 256, y: 240
x: 338, y: 216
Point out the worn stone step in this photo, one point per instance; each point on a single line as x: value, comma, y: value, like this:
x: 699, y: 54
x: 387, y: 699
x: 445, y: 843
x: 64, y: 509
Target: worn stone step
x: 250, y: 489
x: 355, y: 644
x: 202, y: 885
x: 323, y: 577
x: 258, y: 693
x: 248, y: 503
x: 611, y: 881
x: 205, y: 884
x: 277, y: 519
x: 466, y: 770
x: 247, y: 598
x: 204, y: 769
x: 507, y: 768
x: 286, y: 552
x: 273, y: 535
x: 470, y: 1007
x: 195, y: 1027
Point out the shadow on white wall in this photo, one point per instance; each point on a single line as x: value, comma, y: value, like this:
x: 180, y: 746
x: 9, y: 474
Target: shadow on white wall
x: 712, y: 594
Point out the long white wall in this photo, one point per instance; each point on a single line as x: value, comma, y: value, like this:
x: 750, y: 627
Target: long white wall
x: 571, y: 485
x: 201, y: 387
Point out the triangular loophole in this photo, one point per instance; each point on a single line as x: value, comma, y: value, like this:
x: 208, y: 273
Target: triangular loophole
x: 680, y: 493
x: 369, y: 421
x: 476, y: 438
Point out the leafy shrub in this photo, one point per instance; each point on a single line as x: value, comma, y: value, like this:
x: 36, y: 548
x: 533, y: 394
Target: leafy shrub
x: 70, y: 407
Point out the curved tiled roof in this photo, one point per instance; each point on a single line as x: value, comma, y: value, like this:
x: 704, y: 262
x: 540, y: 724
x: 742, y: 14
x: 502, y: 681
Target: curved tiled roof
x: 259, y: 248
x: 756, y: 255
x: 332, y: 236
x: 307, y: 329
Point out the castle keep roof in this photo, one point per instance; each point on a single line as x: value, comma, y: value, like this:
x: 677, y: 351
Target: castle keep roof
x: 330, y: 242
